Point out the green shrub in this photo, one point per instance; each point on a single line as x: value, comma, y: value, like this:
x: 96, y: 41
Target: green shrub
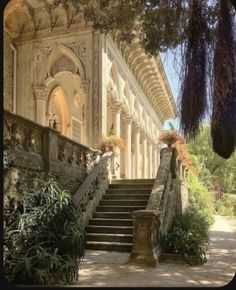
x: 189, y: 233
x: 187, y: 236
x: 200, y: 198
x: 43, y: 240
x: 226, y: 205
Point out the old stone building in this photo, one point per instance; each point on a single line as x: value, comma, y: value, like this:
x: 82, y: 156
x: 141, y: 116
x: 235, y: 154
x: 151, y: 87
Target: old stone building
x: 59, y: 71
x: 66, y: 86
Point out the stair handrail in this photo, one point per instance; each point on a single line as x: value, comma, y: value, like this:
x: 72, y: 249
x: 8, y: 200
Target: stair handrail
x: 147, y: 223
x: 99, y: 173
x: 166, y: 170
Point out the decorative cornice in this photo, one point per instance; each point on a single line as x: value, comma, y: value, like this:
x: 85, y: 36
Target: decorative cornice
x: 149, y: 73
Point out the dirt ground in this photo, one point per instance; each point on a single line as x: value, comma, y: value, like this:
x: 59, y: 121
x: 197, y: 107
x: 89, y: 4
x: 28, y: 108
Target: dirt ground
x: 107, y: 269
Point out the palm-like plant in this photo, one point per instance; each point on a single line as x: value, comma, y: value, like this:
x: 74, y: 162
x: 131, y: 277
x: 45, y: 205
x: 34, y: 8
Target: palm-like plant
x: 43, y: 239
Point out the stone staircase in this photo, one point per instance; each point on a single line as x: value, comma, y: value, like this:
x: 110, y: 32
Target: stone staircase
x: 111, y: 227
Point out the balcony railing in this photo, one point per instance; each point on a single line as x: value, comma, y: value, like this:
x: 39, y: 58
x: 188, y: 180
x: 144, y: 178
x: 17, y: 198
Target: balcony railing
x: 38, y: 149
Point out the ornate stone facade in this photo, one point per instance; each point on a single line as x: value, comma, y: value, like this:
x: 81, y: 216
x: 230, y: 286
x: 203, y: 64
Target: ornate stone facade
x: 117, y: 85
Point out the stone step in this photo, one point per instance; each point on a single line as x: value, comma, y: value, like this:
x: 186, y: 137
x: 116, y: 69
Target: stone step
x: 131, y: 185
x: 126, y: 196
x: 109, y: 246
x: 136, y: 181
x: 128, y: 191
x: 121, y: 238
x: 109, y: 229
x: 111, y: 222
x: 128, y: 209
x: 123, y: 202
x: 112, y: 215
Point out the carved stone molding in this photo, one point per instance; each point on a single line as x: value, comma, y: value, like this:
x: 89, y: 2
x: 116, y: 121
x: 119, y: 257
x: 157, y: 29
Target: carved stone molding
x: 137, y: 127
x: 22, y: 136
x: 80, y: 49
x: 75, y: 156
x: 96, y: 43
x: 85, y: 85
x: 143, y: 134
x: 127, y: 118
x: 41, y: 92
x: 63, y: 64
x: 116, y: 106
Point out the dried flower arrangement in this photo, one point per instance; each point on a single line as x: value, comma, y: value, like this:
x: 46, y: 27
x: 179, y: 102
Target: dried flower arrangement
x: 109, y: 143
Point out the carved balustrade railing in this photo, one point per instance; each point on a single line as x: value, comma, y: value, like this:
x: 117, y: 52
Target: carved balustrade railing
x: 90, y: 192
x: 40, y: 151
x: 165, y: 201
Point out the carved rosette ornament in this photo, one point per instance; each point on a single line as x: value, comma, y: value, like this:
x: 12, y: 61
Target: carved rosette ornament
x: 63, y: 64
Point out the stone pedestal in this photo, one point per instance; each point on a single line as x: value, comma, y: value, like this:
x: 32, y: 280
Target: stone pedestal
x: 145, y: 238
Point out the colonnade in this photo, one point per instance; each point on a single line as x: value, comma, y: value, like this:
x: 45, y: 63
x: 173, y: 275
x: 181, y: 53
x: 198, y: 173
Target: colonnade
x: 144, y: 161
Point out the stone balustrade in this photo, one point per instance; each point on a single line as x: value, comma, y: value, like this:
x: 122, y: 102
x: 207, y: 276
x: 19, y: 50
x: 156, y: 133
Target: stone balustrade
x: 37, y: 152
x: 168, y: 198
x: 89, y: 194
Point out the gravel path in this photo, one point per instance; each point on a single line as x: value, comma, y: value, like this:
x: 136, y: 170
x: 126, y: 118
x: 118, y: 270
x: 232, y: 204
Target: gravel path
x: 107, y: 269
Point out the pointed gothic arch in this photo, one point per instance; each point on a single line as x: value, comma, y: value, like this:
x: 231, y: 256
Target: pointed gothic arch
x: 57, y: 113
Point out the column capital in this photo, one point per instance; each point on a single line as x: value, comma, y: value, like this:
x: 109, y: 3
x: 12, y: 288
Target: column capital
x: 116, y: 106
x: 137, y: 128
x: 149, y: 141
x: 40, y: 92
x: 127, y: 118
x: 143, y: 135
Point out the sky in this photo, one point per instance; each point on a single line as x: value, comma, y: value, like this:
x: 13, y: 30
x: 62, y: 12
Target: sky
x: 171, y: 68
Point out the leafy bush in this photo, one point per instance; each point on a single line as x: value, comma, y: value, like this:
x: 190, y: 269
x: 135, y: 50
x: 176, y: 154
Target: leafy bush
x: 200, y: 198
x: 226, y: 205
x: 43, y: 240
x: 187, y: 236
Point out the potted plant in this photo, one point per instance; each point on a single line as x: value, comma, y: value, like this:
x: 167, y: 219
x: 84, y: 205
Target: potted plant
x: 170, y: 137
x: 111, y: 142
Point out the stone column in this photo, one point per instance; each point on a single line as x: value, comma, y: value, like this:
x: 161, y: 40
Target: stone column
x: 150, y: 158
x: 128, y: 121
x: 144, y: 150
x: 155, y: 165
x: 41, y: 93
x: 137, y: 151
x: 116, y: 109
